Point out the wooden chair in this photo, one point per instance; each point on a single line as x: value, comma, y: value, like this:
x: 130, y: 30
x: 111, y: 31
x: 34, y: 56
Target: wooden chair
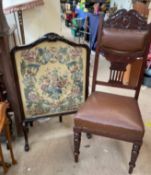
x: 122, y: 39
x: 4, y: 126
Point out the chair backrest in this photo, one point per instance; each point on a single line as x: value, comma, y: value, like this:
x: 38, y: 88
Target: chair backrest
x: 123, y: 38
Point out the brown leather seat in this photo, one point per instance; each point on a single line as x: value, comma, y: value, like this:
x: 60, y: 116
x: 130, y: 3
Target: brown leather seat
x: 111, y: 115
x: 122, y: 39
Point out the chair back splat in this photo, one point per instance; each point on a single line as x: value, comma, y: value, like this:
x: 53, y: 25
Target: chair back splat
x: 123, y: 38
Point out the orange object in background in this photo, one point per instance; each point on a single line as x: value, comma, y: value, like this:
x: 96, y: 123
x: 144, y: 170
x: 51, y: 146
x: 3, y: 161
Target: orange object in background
x: 141, y: 8
x: 4, y: 126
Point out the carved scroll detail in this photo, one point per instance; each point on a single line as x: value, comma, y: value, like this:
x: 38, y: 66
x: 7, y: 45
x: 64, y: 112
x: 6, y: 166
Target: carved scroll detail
x: 126, y: 20
x: 52, y: 36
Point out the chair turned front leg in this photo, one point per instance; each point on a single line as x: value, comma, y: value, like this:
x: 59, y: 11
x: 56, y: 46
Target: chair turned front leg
x: 134, y: 155
x: 77, y: 140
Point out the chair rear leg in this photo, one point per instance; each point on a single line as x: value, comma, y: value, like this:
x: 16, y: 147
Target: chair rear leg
x: 134, y: 155
x: 77, y: 141
x: 7, y: 132
x: 60, y: 118
x: 5, y: 168
x: 89, y: 135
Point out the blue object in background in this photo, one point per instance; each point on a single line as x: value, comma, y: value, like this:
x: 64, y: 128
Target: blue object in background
x: 81, y: 13
x: 147, y: 77
x: 93, y: 29
x: 93, y: 25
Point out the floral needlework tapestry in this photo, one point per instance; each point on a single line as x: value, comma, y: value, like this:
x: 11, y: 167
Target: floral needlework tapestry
x: 52, y: 78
